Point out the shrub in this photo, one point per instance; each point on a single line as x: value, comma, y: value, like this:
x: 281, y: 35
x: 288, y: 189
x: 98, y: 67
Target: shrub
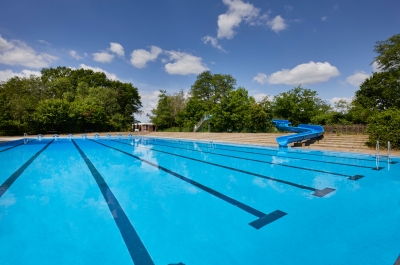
x: 384, y: 126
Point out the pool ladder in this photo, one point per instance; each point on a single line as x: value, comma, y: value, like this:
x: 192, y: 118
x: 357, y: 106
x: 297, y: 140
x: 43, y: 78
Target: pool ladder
x: 377, y: 150
x: 378, y: 156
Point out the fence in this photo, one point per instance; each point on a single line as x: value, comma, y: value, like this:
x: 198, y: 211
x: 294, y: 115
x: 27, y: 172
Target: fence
x: 346, y: 129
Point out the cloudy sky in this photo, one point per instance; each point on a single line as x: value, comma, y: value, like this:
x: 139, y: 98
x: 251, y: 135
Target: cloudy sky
x: 268, y: 46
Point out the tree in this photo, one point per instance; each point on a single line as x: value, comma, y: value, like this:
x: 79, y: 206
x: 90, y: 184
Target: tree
x: 19, y: 98
x: 380, y: 91
x: 53, y: 114
x: 87, y: 116
x: 232, y: 113
x: 210, y: 89
x: 259, y: 118
x: 191, y: 114
x: 109, y: 102
x: 384, y: 126
x: 339, y: 114
x: 388, y: 53
x: 162, y: 115
x: 298, y: 105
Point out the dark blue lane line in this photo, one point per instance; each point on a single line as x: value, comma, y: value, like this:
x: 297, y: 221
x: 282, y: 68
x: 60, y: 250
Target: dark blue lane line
x: 7, y: 184
x: 397, y: 261
x: 316, y: 193
x: 263, y: 220
x: 16, y: 146
x: 267, y: 150
x: 356, y: 177
x: 135, y: 246
x: 342, y: 164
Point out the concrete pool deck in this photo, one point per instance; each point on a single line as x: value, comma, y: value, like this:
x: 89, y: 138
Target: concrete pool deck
x: 331, y: 142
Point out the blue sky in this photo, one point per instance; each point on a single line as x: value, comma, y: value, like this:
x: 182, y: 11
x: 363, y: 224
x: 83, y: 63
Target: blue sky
x: 268, y: 46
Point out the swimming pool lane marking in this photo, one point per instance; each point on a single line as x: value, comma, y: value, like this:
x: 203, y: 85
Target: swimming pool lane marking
x: 355, y: 177
x: 264, y: 154
x: 373, y: 168
x: 15, y: 146
x: 263, y: 219
x: 267, y: 150
x: 7, y: 184
x: 135, y: 246
x: 317, y: 192
x: 397, y: 262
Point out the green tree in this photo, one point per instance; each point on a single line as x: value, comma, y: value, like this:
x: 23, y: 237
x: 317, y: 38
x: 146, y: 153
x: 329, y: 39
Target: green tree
x: 339, y: 114
x: 88, y: 116
x: 298, y: 105
x: 259, y: 118
x: 232, y: 113
x: 162, y: 115
x: 95, y: 101
x: 388, y: 53
x: 53, y: 115
x: 19, y: 98
x: 210, y: 89
x: 384, y: 126
x: 380, y: 91
x: 191, y: 114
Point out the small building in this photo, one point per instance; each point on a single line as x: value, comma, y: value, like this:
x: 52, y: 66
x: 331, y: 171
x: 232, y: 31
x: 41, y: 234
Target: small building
x: 144, y: 127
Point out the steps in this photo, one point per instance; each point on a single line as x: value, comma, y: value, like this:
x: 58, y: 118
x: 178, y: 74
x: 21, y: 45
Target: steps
x: 342, y: 142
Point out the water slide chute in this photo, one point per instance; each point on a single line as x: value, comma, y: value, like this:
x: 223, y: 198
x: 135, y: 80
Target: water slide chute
x: 304, y: 132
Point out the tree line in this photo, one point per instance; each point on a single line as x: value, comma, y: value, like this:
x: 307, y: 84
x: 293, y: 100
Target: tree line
x: 66, y: 101
x: 376, y: 103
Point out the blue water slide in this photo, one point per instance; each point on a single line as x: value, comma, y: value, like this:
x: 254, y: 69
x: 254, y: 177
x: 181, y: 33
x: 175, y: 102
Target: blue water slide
x: 304, y: 132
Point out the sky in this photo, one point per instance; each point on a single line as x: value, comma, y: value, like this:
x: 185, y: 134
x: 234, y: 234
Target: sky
x: 269, y: 47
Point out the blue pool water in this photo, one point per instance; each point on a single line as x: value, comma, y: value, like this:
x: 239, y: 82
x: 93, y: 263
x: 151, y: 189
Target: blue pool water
x: 157, y: 201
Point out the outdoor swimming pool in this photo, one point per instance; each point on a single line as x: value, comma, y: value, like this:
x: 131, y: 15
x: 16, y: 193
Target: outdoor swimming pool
x: 157, y: 201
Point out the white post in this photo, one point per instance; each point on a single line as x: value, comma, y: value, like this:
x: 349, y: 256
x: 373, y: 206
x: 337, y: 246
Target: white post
x: 377, y: 149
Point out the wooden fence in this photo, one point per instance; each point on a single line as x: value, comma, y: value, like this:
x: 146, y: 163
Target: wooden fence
x: 346, y: 129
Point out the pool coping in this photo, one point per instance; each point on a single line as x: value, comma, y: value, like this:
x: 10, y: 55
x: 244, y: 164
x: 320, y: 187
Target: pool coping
x: 370, y: 152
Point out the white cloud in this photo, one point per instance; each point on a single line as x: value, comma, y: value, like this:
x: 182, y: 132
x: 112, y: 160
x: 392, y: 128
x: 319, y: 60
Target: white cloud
x: 149, y: 102
x: 357, y: 78
x: 237, y: 11
x: 103, y: 57
x: 336, y: 99
x: 288, y: 7
x: 16, y: 52
x: 184, y: 64
x: 140, y: 57
x: 277, y: 24
x: 261, y: 96
x: 7, y: 74
x: 376, y: 67
x: 117, y: 48
x: 307, y: 73
x: 341, y: 108
x: 44, y: 42
x: 324, y: 18
x: 213, y: 41
x: 260, y: 78
x: 75, y: 55
x: 110, y: 76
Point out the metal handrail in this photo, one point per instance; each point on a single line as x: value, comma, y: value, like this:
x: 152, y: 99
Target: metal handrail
x: 377, y: 150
